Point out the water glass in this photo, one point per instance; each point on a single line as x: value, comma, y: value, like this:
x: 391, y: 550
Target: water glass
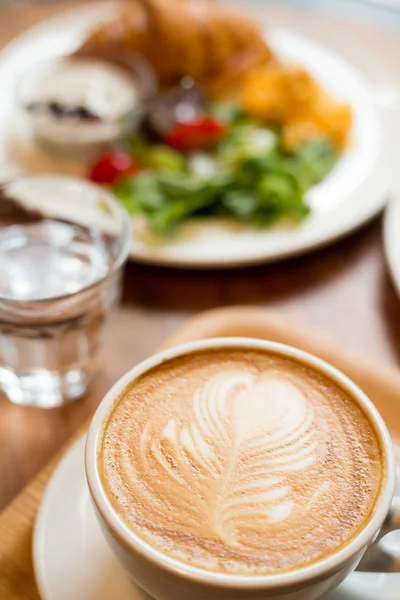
x: 63, y: 243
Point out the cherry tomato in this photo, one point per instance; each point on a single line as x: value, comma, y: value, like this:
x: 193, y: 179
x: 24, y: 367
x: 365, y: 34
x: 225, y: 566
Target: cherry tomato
x: 198, y: 134
x: 108, y: 168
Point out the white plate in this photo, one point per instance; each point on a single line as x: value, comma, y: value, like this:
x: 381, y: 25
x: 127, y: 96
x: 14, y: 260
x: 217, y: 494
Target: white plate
x: 355, y: 191
x: 72, y: 559
x: 391, y: 234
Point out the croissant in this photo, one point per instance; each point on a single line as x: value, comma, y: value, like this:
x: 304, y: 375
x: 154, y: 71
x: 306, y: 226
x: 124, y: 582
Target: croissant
x: 195, y: 38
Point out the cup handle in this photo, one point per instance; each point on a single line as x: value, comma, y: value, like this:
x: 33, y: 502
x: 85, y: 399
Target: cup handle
x: 378, y: 559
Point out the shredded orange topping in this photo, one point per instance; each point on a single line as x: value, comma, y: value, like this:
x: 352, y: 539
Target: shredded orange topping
x: 288, y: 96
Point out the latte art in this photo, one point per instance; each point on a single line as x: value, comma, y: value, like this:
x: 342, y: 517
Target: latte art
x: 240, y: 461
x: 238, y: 418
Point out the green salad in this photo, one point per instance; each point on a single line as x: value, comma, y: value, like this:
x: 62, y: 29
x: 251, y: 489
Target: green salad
x: 224, y: 164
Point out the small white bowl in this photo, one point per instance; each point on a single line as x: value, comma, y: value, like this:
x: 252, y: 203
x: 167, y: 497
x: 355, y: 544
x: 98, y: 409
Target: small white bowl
x: 82, y: 106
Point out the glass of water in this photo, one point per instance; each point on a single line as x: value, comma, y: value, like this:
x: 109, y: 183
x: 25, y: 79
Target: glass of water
x: 63, y: 243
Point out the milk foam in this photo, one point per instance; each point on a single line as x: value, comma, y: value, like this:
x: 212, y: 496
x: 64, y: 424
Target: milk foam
x: 241, y: 461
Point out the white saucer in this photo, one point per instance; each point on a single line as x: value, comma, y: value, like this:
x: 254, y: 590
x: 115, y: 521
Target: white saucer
x: 72, y: 560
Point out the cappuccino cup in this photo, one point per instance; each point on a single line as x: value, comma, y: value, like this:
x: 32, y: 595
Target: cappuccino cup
x: 240, y: 468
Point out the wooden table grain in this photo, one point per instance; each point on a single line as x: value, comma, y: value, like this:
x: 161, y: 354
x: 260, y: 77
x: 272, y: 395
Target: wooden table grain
x: 343, y: 290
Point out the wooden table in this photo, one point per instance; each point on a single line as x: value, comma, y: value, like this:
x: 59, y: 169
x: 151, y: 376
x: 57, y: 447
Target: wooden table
x: 343, y: 290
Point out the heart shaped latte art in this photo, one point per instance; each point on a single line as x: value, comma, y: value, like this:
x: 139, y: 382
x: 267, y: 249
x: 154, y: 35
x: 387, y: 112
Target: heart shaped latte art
x: 238, y: 420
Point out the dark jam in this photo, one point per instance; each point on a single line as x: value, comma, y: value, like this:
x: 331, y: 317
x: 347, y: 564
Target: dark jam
x: 63, y: 111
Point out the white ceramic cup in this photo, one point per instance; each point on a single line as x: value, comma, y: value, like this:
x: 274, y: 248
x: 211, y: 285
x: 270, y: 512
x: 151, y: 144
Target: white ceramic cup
x: 166, y: 578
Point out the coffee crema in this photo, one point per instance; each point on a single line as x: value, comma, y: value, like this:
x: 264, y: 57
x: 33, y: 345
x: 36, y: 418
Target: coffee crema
x: 241, y: 461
